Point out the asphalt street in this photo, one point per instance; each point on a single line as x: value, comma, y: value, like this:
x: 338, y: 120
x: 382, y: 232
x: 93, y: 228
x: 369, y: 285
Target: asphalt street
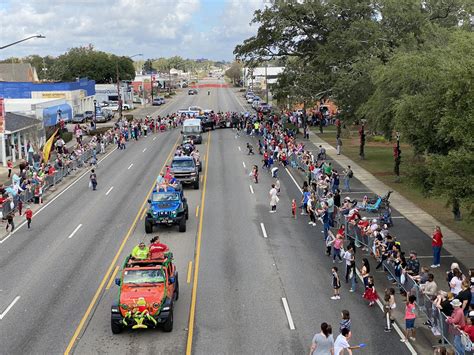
x: 264, y: 282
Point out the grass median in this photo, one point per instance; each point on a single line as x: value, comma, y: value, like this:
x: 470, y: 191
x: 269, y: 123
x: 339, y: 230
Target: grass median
x: 379, y: 162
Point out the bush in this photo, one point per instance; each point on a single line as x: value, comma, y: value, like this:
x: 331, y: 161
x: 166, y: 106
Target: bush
x: 128, y: 117
x: 100, y: 130
x: 242, y: 90
x: 66, y: 136
x: 377, y: 139
x: 167, y: 95
x: 172, y: 93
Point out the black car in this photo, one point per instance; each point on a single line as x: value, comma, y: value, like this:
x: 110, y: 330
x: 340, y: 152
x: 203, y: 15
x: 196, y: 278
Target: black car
x: 192, y: 92
x: 207, y: 123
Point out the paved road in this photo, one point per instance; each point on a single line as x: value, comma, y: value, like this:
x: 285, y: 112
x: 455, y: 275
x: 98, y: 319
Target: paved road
x: 244, y: 278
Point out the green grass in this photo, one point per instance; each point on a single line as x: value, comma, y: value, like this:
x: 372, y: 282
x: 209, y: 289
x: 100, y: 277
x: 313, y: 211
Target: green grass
x: 379, y: 162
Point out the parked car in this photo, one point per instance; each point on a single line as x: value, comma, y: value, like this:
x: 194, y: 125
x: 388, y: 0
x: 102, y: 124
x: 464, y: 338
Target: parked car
x: 263, y: 107
x: 255, y: 102
x: 89, y: 115
x: 107, y: 115
x: 79, y: 118
x: 157, y: 102
x: 251, y: 99
x: 192, y: 92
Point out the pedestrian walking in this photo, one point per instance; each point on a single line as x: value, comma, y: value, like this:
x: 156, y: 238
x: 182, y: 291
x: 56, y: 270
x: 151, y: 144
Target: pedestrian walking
x: 338, y: 145
x: 336, y: 284
x: 20, y: 206
x: 410, y: 317
x: 345, y: 322
x: 436, y: 244
x: 250, y: 149
x: 10, y: 222
x: 342, y: 343
x: 293, y: 208
x: 388, y: 306
x: 254, y: 173
x: 323, y: 342
x: 273, y: 198
x: 336, y: 248
x: 29, y: 215
x: 93, y: 180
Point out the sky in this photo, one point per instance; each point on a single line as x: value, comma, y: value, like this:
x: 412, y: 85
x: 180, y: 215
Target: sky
x: 156, y: 28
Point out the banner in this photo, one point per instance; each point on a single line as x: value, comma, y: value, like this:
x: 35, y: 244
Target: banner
x: 2, y: 115
x: 48, y: 146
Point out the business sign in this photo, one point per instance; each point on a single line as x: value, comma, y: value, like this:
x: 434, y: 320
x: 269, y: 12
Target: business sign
x: 2, y: 115
x: 53, y: 95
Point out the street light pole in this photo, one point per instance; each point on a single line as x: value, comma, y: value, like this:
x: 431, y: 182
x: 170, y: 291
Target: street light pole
x: 118, y: 94
x: 22, y: 40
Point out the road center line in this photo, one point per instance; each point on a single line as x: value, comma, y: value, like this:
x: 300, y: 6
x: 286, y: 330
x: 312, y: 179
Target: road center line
x: 130, y: 166
x: 251, y: 189
x: 108, y: 191
x: 9, y: 307
x: 243, y: 163
x: 264, y: 231
x: 288, y: 313
x: 112, y: 278
x: 75, y: 231
x: 144, y: 150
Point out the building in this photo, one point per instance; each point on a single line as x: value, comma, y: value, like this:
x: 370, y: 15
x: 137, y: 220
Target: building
x: 48, y: 100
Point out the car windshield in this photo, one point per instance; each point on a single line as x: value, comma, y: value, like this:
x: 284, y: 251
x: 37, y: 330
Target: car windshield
x: 160, y: 197
x: 191, y: 129
x: 182, y: 164
x: 143, y: 276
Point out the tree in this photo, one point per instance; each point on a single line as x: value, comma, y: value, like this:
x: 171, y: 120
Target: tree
x: 148, y: 66
x: 234, y: 72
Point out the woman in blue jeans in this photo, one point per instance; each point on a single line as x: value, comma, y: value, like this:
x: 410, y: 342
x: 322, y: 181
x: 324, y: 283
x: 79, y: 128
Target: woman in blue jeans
x: 436, y: 244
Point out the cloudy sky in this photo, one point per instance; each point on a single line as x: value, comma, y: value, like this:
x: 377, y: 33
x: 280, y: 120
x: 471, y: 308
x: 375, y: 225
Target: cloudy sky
x: 157, y: 28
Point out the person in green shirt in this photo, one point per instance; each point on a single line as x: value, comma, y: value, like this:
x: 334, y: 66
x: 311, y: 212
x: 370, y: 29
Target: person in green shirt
x: 140, y: 252
x: 327, y: 169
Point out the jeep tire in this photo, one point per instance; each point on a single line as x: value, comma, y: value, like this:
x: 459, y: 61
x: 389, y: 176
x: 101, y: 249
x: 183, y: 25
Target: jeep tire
x: 182, y: 225
x: 168, y: 325
x: 186, y: 213
x: 148, y: 227
x: 116, y: 328
x: 196, y: 184
x: 176, y: 288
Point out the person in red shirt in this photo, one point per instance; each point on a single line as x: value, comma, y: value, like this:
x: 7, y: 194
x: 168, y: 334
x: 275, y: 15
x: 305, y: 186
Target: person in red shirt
x: 469, y: 327
x: 10, y: 167
x: 29, y: 216
x: 157, y: 248
x: 437, y: 244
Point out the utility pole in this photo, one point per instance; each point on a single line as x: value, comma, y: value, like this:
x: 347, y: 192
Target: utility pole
x: 118, y: 93
x: 266, y: 83
x: 151, y: 82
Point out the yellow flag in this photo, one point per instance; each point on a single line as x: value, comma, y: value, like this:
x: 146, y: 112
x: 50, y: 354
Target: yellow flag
x: 48, y: 146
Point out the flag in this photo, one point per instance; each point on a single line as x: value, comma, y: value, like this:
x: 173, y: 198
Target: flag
x: 48, y: 146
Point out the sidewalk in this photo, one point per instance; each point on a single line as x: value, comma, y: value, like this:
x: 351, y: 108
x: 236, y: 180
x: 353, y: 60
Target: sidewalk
x: 461, y: 249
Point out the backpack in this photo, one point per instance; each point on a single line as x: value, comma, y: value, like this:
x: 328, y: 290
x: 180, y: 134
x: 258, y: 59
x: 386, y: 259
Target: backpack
x: 350, y: 174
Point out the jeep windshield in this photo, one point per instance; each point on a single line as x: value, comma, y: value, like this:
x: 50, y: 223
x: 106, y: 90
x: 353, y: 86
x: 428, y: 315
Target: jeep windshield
x: 161, y: 197
x: 141, y: 276
x: 182, y: 164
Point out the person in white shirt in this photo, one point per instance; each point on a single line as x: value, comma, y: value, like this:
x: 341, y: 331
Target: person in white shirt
x: 342, y: 343
x: 273, y: 198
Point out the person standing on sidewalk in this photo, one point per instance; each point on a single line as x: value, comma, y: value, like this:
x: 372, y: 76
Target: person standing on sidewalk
x: 437, y: 244
x: 10, y: 167
x: 338, y: 145
x: 410, y: 316
x: 336, y: 284
x: 348, y: 174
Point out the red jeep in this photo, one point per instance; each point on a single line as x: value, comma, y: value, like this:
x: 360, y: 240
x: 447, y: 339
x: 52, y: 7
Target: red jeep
x: 148, y: 289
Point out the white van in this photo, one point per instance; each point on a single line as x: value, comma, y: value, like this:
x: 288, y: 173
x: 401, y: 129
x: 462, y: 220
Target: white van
x: 192, y: 130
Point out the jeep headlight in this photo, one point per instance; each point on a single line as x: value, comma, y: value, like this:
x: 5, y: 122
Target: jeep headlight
x: 115, y: 310
x: 166, y: 308
x: 173, y: 214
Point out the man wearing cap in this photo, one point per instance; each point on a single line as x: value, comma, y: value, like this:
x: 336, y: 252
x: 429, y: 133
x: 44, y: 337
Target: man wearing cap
x: 140, y: 252
x: 413, y: 264
x: 457, y: 317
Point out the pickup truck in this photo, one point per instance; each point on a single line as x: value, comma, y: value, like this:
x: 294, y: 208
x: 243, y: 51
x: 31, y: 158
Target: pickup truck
x: 185, y: 170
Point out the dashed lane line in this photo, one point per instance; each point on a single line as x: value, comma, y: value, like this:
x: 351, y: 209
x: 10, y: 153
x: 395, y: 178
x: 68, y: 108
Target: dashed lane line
x: 264, y: 231
x: 288, y: 313
x: 251, y: 189
x: 74, y: 231
x: 243, y: 163
x: 108, y: 191
x: 144, y: 150
x: 130, y: 166
x: 9, y: 307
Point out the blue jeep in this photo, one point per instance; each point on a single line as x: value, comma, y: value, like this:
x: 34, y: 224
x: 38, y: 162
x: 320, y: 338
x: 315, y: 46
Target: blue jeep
x: 167, y: 207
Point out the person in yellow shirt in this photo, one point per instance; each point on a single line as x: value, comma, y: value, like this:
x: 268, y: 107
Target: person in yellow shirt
x: 140, y: 252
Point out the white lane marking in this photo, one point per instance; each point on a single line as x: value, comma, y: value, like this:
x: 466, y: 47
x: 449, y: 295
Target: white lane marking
x: 264, y: 231
x: 56, y: 197
x: 75, y: 231
x: 144, y: 150
x: 9, y: 307
x: 240, y: 149
x: 243, y: 163
x: 292, y: 178
x: 288, y: 313
x: 251, y: 189
x: 130, y: 166
x: 430, y: 256
x: 108, y: 191
x: 154, y: 138
x: 399, y: 217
